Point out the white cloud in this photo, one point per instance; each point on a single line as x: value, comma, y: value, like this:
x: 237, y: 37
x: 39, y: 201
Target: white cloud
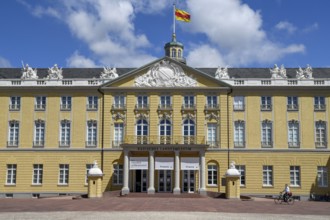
x: 205, y: 56
x: 235, y: 31
x: 77, y: 60
x: 311, y: 28
x: 4, y: 62
x: 286, y: 26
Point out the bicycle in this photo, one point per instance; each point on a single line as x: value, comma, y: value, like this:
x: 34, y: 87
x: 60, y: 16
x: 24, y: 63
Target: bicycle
x: 289, y: 200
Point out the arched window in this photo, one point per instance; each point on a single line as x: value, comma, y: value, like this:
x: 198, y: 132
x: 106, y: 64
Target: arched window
x: 173, y: 53
x: 165, y: 131
x: 189, y: 131
x: 142, y: 131
x: 179, y: 53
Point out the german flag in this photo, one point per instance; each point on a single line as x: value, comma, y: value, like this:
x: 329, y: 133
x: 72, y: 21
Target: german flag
x: 181, y: 15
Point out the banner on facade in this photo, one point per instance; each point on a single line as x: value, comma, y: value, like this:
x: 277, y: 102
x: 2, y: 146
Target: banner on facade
x: 138, y: 163
x: 164, y: 163
x: 189, y: 163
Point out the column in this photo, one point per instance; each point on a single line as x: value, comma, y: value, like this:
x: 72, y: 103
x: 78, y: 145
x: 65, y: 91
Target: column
x: 125, y: 189
x: 202, y: 188
x: 177, y: 189
x: 151, y: 189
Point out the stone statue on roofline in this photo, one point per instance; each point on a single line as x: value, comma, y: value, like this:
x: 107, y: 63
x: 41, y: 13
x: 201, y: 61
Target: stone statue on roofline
x: 305, y: 74
x: 28, y: 72
x: 278, y: 73
x: 109, y: 73
x: 222, y: 73
x: 54, y: 72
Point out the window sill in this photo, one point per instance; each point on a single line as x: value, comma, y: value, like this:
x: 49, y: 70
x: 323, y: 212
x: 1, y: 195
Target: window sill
x: 59, y: 184
x: 10, y: 185
x: 266, y: 186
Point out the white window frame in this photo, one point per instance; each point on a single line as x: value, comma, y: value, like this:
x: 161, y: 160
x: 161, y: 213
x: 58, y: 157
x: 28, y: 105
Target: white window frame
x: 239, y: 103
x: 40, y: 103
x: 119, y: 101
x: 267, y: 175
x: 13, y: 133
x: 321, y: 134
x: 266, y: 134
x: 239, y: 134
x: 118, y: 174
x: 65, y: 131
x: 15, y: 103
x: 142, y: 131
x: 212, y: 134
x: 37, y: 174
x: 91, y: 135
x: 295, y: 176
x: 11, y: 174
x: 165, y: 131
x: 189, y: 131
x: 293, y: 134
x: 63, y: 175
x: 319, y: 103
x: 142, y: 101
x: 212, y: 102
x: 322, y: 176
x: 292, y: 103
x: 188, y: 101
x: 66, y: 103
x: 92, y: 103
x: 266, y: 103
x: 212, y: 175
x: 118, y: 134
x: 242, y: 178
x: 165, y: 102
x: 39, y: 133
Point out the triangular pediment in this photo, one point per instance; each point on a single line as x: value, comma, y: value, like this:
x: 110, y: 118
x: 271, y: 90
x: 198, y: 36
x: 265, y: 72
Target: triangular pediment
x: 165, y: 73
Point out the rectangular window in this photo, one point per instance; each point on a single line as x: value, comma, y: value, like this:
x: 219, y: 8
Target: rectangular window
x: 65, y: 133
x: 37, y: 174
x: 212, y: 102
x: 13, y: 134
x: 15, y: 103
x: 91, y: 133
x: 118, y: 174
x: 39, y: 133
x: 92, y: 103
x: 267, y: 176
x: 212, y: 139
x: 319, y: 103
x: 11, y: 174
x: 239, y: 104
x: 266, y: 134
x: 320, y: 134
x: 165, y: 102
x: 63, y: 177
x: 119, y: 102
x: 239, y: 134
x: 118, y: 134
x: 241, y: 169
x: 40, y: 103
x: 189, y: 102
x: 66, y: 103
x: 294, y: 175
x: 292, y: 104
x: 293, y: 134
x: 266, y: 103
x: 88, y: 167
x: 212, y: 175
x: 322, y: 176
x: 142, y: 102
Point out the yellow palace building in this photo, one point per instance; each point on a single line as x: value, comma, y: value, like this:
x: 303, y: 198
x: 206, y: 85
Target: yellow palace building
x: 164, y: 127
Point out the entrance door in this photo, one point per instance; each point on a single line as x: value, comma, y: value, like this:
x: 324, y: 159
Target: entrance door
x: 165, y: 180
x: 188, y: 181
x: 141, y: 180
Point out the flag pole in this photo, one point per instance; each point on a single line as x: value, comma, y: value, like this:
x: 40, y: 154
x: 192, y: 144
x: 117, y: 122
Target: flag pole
x: 173, y: 37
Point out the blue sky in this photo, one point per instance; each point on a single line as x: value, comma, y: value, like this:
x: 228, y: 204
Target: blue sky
x: 122, y: 33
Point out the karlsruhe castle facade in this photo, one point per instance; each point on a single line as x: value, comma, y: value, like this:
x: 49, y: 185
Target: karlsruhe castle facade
x: 164, y: 127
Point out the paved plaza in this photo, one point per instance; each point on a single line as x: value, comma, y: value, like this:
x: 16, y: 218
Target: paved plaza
x: 159, y: 206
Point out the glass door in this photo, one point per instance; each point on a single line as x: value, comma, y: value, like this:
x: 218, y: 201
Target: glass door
x: 188, y: 181
x: 141, y: 181
x: 165, y: 180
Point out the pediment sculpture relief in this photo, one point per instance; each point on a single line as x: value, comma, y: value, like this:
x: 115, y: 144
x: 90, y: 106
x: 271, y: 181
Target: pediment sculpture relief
x: 165, y: 74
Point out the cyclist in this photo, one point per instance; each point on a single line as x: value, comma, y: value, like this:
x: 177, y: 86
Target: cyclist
x: 286, y: 192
